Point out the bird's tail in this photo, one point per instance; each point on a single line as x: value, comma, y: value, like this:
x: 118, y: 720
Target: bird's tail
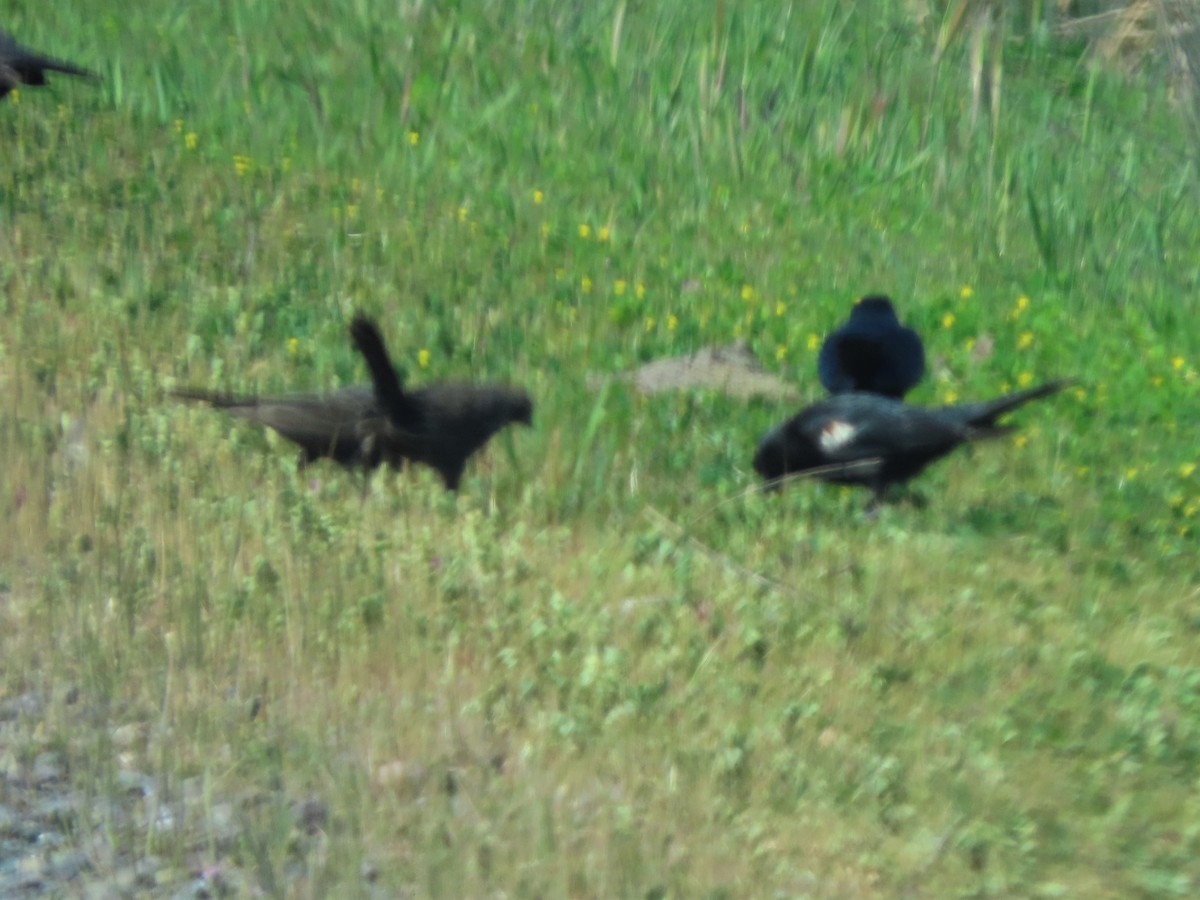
x: 58, y: 65
x: 219, y: 399
x: 400, y: 408
x: 982, y: 416
x: 50, y: 64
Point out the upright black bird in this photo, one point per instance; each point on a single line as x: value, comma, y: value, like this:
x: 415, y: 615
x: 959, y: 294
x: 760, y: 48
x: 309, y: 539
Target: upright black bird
x: 872, y: 352
x: 441, y: 425
x: 20, y: 66
x: 875, y: 441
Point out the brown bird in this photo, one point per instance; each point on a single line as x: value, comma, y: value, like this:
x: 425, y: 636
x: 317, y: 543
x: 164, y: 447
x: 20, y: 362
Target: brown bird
x: 342, y: 425
x: 20, y: 66
x: 441, y: 425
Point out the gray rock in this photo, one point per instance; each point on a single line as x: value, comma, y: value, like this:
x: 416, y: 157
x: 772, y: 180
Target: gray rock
x: 731, y: 370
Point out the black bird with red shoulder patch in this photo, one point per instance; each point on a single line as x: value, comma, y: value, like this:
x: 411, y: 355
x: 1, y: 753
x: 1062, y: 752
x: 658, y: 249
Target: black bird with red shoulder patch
x: 875, y: 441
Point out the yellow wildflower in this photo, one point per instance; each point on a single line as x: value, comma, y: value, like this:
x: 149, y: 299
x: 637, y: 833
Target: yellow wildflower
x: 967, y: 292
x: 423, y: 358
x: 585, y: 285
x: 1025, y: 379
x: 619, y: 287
x: 602, y: 234
x: 1025, y: 340
x: 585, y: 231
x: 747, y: 293
x: 414, y: 138
x: 538, y: 197
x: 672, y: 322
x: 948, y: 320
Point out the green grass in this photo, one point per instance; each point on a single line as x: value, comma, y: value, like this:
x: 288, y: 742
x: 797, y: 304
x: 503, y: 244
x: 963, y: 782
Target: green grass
x: 606, y: 669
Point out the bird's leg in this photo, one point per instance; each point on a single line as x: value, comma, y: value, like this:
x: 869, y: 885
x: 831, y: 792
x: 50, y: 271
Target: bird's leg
x: 307, y: 457
x: 365, y: 490
x: 876, y: 501
x: 452, y: 472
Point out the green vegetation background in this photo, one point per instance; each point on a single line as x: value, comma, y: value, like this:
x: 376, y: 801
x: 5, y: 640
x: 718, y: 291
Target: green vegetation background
x: 642, y: 679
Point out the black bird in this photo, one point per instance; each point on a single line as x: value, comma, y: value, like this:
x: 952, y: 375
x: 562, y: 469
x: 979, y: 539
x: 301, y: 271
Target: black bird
x: 20, y: 66
x: 442, y: 425
x: 872, y: 352
x: 875, y: 441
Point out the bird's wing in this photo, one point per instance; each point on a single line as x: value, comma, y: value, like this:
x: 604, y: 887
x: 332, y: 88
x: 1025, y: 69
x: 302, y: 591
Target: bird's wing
x: 839, y: 359
x: 342, y: 428
x: 908, y: 357
x: 300, y: 418
x: 878, y: 427
x: 889, y: 363
x: 862, y: 355
x: 303, y: 418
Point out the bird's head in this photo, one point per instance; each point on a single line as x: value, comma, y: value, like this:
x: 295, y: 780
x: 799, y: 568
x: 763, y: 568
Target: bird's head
x: 874, y: 306
x: 769, y: 460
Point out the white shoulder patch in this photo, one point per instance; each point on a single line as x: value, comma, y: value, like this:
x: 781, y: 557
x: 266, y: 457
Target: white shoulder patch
x: 836, y: 434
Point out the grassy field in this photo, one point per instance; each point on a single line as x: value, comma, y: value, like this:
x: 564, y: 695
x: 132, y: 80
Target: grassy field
x: 607, y: 668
